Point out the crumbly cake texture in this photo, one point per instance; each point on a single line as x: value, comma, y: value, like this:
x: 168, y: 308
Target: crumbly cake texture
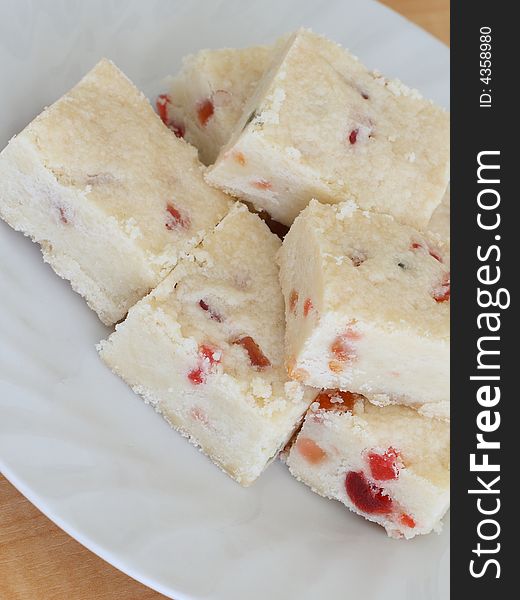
x: 206, y: 349
x: 110, y: 194
x: 207, y: 97
x: 320, y: 125
x: 367, y: 307
x: 439, y: 224
x: 388, y: 464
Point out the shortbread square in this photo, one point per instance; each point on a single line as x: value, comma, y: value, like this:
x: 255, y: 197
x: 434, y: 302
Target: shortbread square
x: 388, y: 464
x: 367, y: 307
x: 110, y: 194
x: 206, y: 349
x: 320, y: 125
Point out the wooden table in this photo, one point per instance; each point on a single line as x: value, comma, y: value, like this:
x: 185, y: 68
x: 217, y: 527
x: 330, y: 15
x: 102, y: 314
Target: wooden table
x: 38, y: 561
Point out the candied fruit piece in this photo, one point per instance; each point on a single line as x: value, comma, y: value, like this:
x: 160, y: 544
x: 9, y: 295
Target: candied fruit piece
x: 205, y: 110
x: 307, y: 307
x: 262, y: 184
x: 407, y: 521
x: 342, y: 349
x: 431, y: 251
x: 240, y: 158
x: 442, y: 292
x: 352, y: 138
x: 208, y: 357
x: 174, y: 218
x: 366, y: 496
x: 212, y: 313
x: 310, y: 450
x: 293, y: 301
x: 178, y: 128
x: 209, y: 353
x: 256, y: 356
x: 162, y: 102
x: 197, y: 376
x: 384, y: 467
x: 337, y: 400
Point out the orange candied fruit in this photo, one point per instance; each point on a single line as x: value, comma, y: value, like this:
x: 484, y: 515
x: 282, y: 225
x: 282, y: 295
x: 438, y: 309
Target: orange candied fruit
x: 337, y: 400
x: 293, y: 301
x: 310, y: 450
x: 205, y: 110
x: 256, y: 356
x: 335, y: 366
x: 307, y: 306
x: 240, y: 158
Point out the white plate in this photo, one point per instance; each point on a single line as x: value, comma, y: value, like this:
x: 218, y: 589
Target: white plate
x: 76, y: 441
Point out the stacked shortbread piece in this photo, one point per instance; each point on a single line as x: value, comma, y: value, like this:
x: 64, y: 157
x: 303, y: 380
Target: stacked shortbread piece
x: 333, y: 344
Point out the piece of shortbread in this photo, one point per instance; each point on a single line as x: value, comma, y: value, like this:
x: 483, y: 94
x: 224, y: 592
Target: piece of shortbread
x: 206, y: 349
x: 320, y: 125
x: 110, y: 194
x: 388, y: 464
x: 367, y: 307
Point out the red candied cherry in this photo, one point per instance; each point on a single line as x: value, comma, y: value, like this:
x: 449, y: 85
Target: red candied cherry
x: 442, y: 292
x: 208, y: 357
x: 197, y: 376
x: 384, y: 467
x: 337, y: 400
x: 310, y: 450
x: 209, y: 353
x: 352, y: 138
x: 431, y: 251
x: 174, y: 219
x: 212, y: 313
x: 256, y: 356
x: 205, y: 110
x: 307, y: 307
x: 293, y: 301
x: 162, y: 102
x: 407, y: 521
x: 178, y: 128
x: 366, y: 496
x: 262, y: 184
